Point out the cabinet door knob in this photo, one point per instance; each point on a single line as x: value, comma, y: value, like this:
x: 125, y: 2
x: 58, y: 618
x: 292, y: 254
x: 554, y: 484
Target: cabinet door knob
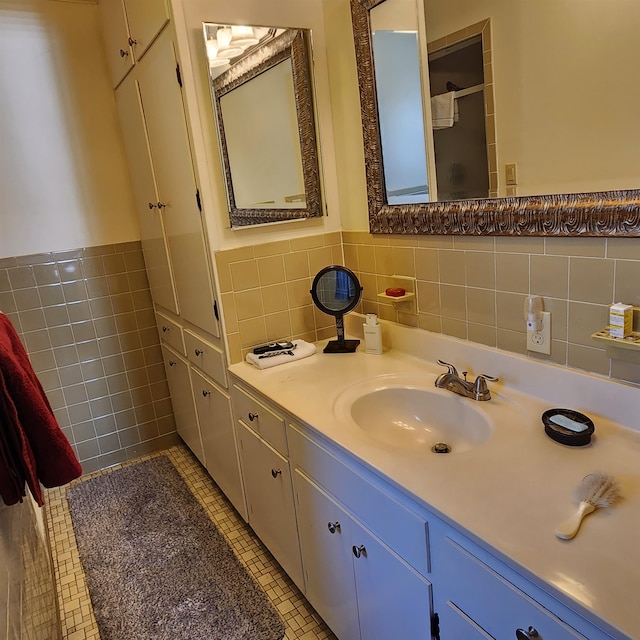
x: 123, y: 53
x: 529, y: 634
x: 165, y: 329
x: 198, y: 352
x: 333, y: 527
x: 172, y: 363
x: 131, y: 42
x: 253, y: 416
x: 161, y: 205
x: 276, y: 472
x: 359, y: 550
x: 152, y: 205
x: 206, y: 393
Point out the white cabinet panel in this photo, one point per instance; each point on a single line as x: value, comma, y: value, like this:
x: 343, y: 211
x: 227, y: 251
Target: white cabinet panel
x: 213, y: 407
x: 177, y: 369
x: 128, y: 28
x: 146, y: 18
x: 325, y: 543
x: 269, y: 495
x: 176, y: 185
x: 150, y: 220
x: 394, y: 601
x: 115, y: 31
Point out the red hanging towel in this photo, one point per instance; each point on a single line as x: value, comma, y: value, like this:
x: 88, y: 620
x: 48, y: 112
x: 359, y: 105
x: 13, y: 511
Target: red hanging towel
x: 33, y: 448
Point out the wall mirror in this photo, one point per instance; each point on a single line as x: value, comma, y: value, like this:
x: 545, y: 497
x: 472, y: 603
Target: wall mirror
x: 559, y: 119
x: 262, y: 94
x: 336, y: 290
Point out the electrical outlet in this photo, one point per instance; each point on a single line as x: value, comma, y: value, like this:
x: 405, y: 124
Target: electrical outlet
x: 540, y: 341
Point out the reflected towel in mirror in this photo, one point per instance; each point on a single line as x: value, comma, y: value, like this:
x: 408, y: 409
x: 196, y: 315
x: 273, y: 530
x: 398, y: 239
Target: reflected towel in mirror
x: 444, y: 110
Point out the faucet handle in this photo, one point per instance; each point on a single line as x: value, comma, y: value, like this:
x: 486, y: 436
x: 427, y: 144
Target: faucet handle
x: 452, y: 369
x: 480, y: 386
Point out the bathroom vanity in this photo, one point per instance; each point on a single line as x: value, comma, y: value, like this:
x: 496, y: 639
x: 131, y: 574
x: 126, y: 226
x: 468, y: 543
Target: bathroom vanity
x: 388, y: 539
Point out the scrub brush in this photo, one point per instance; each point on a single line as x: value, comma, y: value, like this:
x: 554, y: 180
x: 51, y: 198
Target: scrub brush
x: 595, y: 490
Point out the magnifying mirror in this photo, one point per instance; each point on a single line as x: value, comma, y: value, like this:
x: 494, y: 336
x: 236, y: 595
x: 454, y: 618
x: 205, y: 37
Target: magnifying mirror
x: 336, y: 291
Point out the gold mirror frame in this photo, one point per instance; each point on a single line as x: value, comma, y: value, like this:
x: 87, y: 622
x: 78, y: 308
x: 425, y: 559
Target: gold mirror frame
x: 293, y: 44
x: 601, y: 213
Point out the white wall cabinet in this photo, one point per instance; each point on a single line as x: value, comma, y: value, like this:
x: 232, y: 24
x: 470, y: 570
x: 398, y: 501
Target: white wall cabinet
x: 150, y: 218
x: 129, y: 27
x: 177, y: 191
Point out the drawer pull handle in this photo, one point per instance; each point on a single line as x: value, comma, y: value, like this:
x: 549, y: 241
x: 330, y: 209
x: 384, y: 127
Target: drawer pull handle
x: 198, y: 352
x: 276, y: 472
x: 529, y: 634
x: 359, y: 551
x: 206, y: 393
x: 123, y: 53
x: 333, y: 527
x: 253, y: 416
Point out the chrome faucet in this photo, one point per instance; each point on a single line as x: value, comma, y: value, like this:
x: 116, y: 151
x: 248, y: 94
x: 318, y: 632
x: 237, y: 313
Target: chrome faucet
x: 451, y: 381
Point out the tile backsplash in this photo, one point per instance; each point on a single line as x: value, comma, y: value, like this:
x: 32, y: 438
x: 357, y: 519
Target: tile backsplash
x: 86, y: 318
x: 474, y: 288
x: 265, y: 291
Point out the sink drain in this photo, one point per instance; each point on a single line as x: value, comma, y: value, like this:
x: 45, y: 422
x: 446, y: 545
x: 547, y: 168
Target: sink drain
x: 441, y: 447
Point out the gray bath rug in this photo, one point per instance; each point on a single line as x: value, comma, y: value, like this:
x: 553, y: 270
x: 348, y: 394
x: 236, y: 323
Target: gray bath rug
x: 157, y: 568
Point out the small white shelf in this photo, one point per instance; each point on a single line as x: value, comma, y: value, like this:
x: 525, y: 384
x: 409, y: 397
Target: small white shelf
x: 409, y: 295
x: 630, y: 342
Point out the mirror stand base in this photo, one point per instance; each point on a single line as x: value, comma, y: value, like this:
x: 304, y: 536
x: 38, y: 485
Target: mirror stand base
x: 341, y: 346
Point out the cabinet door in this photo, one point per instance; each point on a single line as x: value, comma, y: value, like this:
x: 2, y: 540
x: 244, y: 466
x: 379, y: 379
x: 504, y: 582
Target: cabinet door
x: 325, y: 543
x: 171, y: 156
x: 115, y: 33
x: 150, y: 218
x: 146, y: 19
x: 182, y: 400
x: 394, y: 601
x: 213, y: 407
x: 267, y: 484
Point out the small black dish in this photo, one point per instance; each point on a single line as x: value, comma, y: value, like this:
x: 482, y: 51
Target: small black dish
x: 566, y: 436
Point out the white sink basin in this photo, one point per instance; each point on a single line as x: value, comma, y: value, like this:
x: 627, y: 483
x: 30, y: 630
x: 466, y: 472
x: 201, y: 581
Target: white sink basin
x: 408, y: 412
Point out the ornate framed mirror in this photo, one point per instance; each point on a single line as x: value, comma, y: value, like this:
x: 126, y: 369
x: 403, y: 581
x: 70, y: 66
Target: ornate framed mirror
x: 264, y: 108
x: 614, y: 212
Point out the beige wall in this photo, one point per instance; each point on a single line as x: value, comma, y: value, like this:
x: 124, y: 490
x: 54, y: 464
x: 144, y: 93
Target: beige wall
x: 189, y: 16
x: 63, y: 178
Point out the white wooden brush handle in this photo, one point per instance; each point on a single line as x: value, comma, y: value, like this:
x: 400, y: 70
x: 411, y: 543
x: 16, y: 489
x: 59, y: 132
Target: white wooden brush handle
x: 568, y: 529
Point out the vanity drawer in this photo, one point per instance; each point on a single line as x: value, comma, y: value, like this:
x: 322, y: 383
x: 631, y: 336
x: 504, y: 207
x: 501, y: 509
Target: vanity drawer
x: 206, y: 357
x: 481, y: 595
x: 170, y: 332
x: 403, y: 530
x: 260, y: 418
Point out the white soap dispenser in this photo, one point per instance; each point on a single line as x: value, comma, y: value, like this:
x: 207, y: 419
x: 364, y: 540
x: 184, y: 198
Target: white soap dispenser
x: 372, y: 334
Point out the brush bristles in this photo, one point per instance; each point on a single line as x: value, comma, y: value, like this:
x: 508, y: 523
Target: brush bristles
x: 598, y: 489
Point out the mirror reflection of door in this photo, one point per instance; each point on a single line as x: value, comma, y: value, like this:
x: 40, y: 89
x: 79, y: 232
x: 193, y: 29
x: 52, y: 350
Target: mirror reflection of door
x: 456, y: 78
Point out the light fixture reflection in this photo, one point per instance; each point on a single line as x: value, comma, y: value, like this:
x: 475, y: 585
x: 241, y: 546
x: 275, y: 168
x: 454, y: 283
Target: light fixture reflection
x: 215, y: 60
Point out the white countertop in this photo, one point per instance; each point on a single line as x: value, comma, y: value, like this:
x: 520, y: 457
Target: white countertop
x: 510, y: 493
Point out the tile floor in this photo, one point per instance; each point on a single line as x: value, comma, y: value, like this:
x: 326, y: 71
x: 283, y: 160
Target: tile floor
x: 78, y: 622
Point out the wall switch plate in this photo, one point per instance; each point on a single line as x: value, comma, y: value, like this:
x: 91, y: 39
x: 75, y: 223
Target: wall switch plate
x: 511, y: 174
x: 540, y: 341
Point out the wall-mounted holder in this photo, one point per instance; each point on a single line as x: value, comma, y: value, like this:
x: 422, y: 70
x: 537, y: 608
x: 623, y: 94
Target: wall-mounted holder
x: 405, y: 282
x: 629, y: 344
